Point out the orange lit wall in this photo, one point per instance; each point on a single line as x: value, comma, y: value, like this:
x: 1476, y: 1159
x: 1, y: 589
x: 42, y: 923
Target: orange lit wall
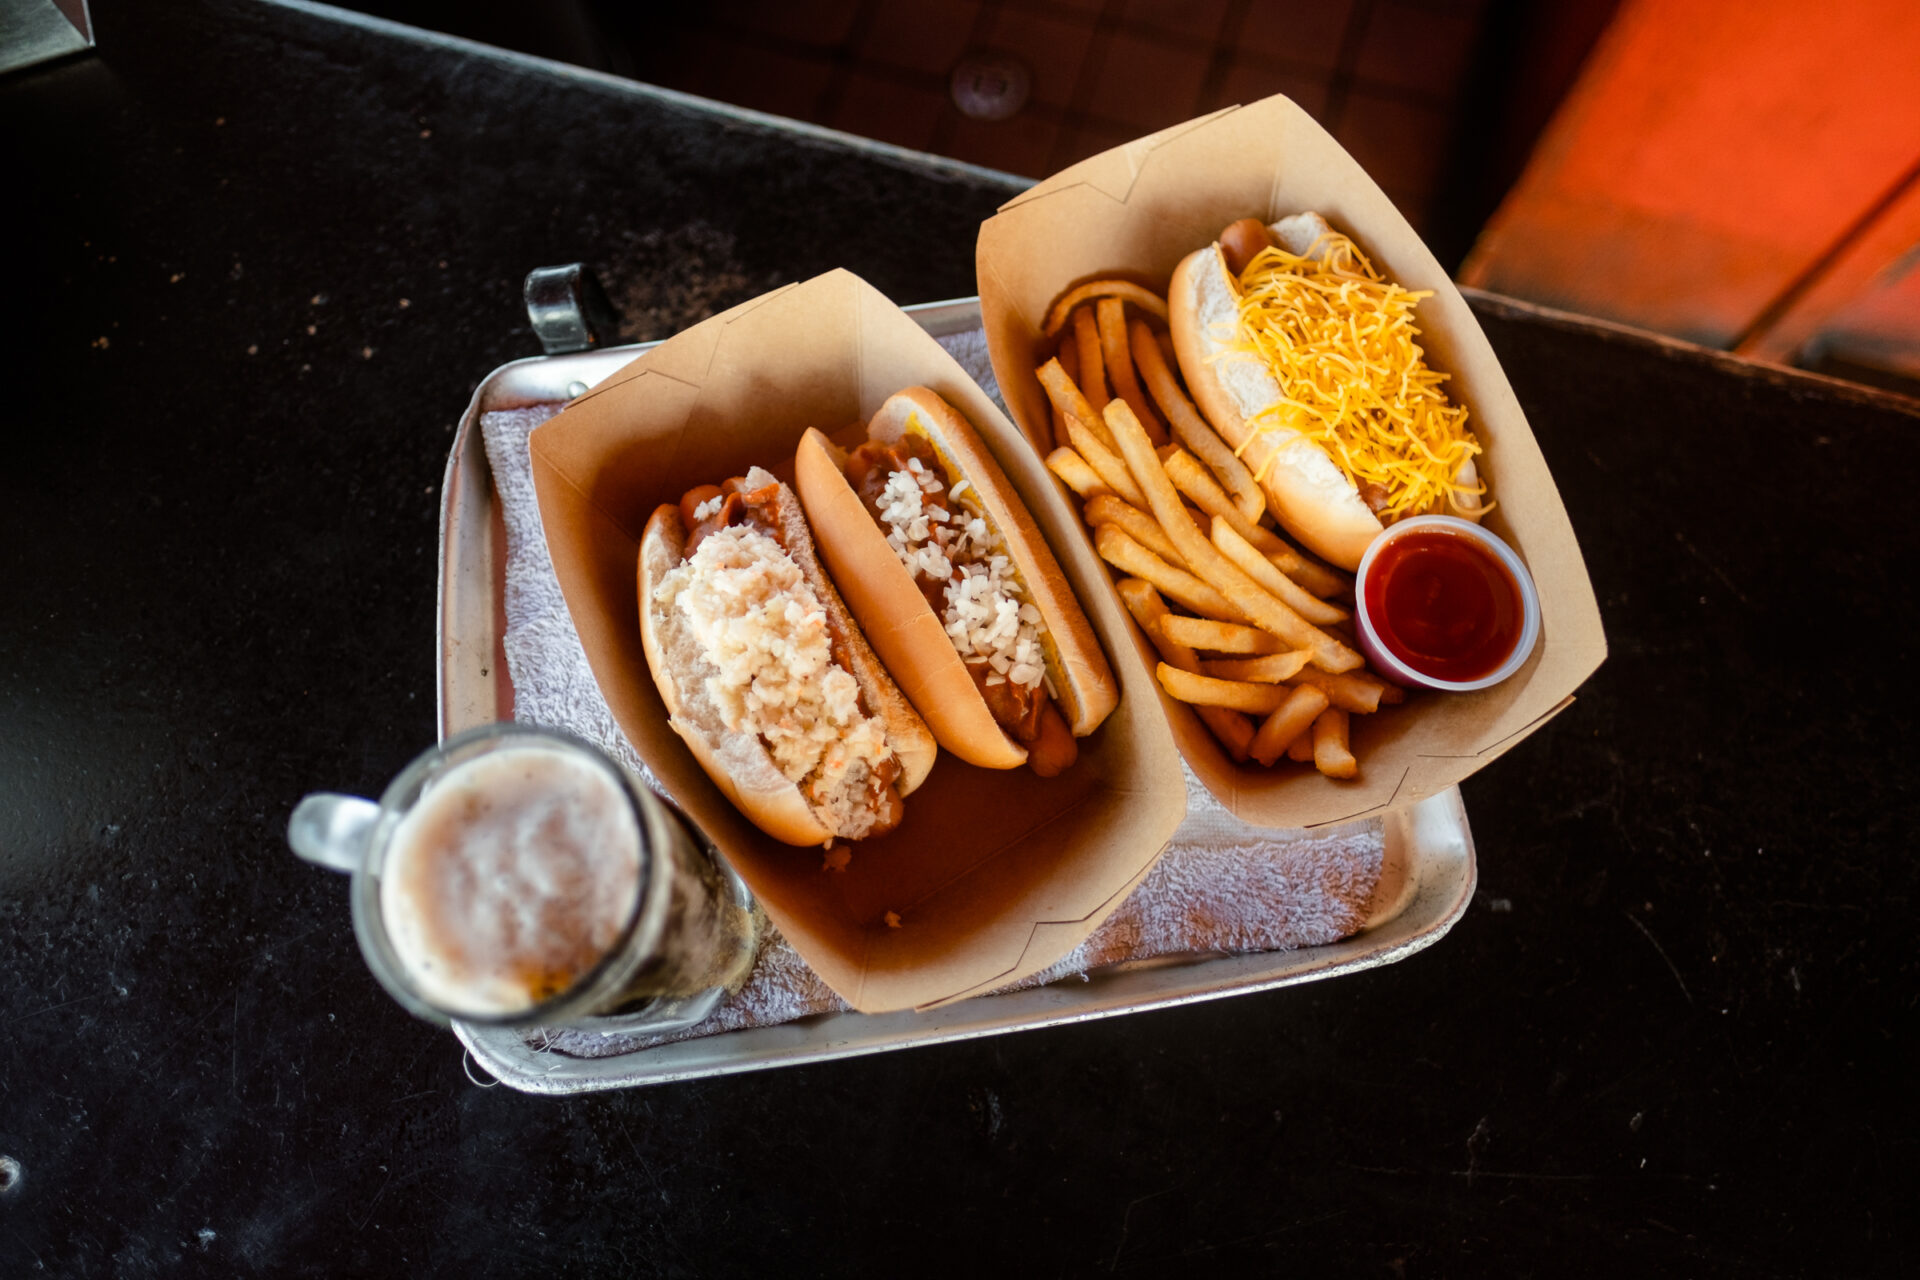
x: 1735, y: 172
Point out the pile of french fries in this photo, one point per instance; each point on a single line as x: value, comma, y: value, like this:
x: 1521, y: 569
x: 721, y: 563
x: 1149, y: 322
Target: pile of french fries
x: 1262, y: 650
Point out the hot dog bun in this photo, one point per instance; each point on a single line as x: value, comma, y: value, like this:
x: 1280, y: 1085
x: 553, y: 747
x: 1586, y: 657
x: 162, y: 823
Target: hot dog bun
x: 829, y: 801
x: 910, y: 636
x: 1309, y: 493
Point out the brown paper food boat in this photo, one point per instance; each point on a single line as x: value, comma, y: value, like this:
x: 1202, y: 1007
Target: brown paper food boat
x: 1135, y: 211
x: 993, y: 875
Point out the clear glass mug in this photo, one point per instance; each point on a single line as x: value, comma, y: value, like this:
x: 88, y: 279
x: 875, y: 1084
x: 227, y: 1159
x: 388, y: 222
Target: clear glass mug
x: 516, y: 876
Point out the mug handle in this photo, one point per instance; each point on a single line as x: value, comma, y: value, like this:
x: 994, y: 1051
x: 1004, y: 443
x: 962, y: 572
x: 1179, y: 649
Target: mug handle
x: 332, y: 831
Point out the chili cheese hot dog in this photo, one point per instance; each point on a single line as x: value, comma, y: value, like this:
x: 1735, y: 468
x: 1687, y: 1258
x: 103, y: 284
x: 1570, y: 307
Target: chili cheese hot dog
x: 1303, y: 359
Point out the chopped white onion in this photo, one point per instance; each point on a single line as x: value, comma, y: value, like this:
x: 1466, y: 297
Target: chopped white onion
x: 987, y: 615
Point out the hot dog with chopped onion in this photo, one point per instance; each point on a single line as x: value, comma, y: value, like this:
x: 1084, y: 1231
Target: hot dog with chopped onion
x: 765, y: 676
x: 947, y: 574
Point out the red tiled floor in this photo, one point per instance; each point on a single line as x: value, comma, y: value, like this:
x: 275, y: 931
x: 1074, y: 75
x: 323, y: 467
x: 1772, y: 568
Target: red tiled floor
x: 1415, y: 209
x: 1418, y: 47
x: 1023, y: 145
x: 1249, y: 81
x: 1146, y: 82
x: 1088, y: 140
x: 1053, y: 47
x: 1381, y: 73
x: 1306, y: 33
x: 1386, y: 76
x: 822, y: 24
x: 890, y: 108
x: 1402, y: 145
x: 780, y: 83
x: 1197, y: 19
x: 927, y: 37
x: 1090, y: 9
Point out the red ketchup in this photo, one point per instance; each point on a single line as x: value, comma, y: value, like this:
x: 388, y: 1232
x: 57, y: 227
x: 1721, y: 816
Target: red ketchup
x: 1444, y: 605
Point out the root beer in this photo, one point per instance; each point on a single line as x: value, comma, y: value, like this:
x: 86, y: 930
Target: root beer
x: 512, y: 877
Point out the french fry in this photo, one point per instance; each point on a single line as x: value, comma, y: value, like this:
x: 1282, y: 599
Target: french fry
x: 1143, y: 528
x: 1301, y: 748
x: 1273, y: 668
x: 1290, y: 720
x: 1233, y: 728
x: 1256, y: 699
x: 1151, y: 612
x: 1093, y: 362
x: 1065, y: 394
x: 1192, y: 480
x: 1106, y: 462
x: 1315, y: 578
x: 1223, y: 637
x: 1195, y: 482
x: 1110, y: 314
x: 1261, y: 570
x: 1330, y: 753
x: 1128, y: 556
x: 1253, y: 602
x: 1200, y: 487
x: 1069, y: 357
x: 1361, y: 692
x: 1077, y: 475
x: 1192, y: 428
x: 1145, y: 299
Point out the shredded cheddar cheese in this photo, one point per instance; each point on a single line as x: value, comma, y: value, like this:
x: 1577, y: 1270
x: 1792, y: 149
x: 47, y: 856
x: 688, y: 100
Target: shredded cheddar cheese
x: 1339, y: 339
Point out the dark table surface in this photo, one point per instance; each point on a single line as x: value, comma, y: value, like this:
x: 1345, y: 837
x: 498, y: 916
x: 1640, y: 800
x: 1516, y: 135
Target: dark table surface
x: 262, y: 256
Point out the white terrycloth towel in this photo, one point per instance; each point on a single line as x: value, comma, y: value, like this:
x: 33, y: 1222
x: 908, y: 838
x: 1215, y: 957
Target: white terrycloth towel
x: 1220, y: 886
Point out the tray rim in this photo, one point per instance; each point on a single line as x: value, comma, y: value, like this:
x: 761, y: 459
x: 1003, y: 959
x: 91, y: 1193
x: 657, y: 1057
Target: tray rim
x: 1431, y: 840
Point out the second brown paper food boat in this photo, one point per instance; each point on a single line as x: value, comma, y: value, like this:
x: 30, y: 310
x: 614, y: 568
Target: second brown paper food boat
x: 993, y: 875
x: 1135, y: 212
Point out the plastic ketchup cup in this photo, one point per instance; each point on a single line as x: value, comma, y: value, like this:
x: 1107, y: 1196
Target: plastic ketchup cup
x: 1444, y: 604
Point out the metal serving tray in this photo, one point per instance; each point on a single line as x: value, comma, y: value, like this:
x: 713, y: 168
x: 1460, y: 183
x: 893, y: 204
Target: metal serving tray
x: 1426, y: 882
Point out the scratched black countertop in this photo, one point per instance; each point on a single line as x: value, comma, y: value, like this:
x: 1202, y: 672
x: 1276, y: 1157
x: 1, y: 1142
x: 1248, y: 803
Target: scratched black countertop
x: 261, y: 257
